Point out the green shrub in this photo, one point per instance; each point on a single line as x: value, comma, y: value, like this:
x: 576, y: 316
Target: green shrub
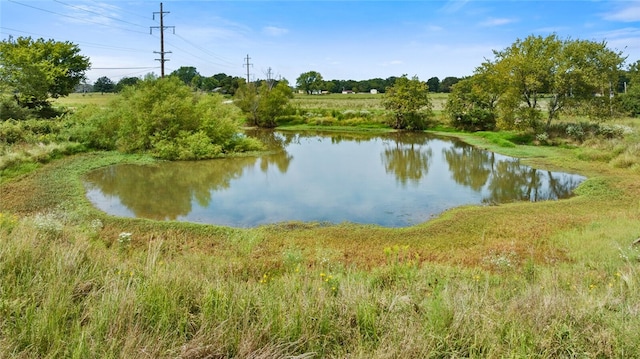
x: 186, y: 146
x: 241, y: 143
x: 11, y: 132
x: 93, y: 127
x: 9, y: 109
x: 164, y: 117
x: 291, y: 120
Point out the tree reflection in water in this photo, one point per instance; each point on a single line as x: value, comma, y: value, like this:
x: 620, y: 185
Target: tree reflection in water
x: 407, y: 156
x: 393, y: 180
x: 504, y: 177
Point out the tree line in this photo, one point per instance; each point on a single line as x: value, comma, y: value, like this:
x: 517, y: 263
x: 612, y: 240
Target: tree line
x: 527, y: 85
x: 309, y: 82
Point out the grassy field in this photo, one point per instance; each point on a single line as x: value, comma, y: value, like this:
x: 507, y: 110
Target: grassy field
x: 555, y: 279
x: 79, y: 99
x: 343, y: 102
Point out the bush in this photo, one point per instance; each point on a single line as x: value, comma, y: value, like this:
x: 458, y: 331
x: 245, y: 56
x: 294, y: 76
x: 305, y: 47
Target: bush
x: 93, y: 127
x: 164, y: 117
x: 11, y: 132
x: 9, y: 109
x: 187, y: 146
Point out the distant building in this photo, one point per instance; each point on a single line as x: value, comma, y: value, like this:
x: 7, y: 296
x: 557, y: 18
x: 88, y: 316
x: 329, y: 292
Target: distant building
x: 374, y: 91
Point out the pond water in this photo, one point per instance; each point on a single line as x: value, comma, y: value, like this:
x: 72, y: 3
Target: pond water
x: 392, y: 180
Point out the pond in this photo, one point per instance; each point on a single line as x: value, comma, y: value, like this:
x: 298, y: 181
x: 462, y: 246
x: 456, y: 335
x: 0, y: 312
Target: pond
x: 392, y: 180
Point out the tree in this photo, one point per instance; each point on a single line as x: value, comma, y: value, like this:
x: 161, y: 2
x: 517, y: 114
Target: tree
x: 572, y: 73
x: 246, y: 98
x: 447, y: 83
x: 126, y: 81
x: 166, y: 118
x: 188, y: 74
x: 104, y: 84
x: 37, y: 70
x: 434, y: 84
x: 309, y: 82
x: 409, y: 103
x: 471, y: 105
x: 265, y: 103
x: 630, y: 99
x: 272, y: 102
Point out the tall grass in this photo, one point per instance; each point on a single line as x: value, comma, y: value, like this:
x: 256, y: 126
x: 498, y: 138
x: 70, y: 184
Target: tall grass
x: 67, y: 294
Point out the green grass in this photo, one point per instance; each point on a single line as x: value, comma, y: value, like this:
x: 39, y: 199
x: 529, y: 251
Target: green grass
x: 79, y: 99
x: 536, y: 280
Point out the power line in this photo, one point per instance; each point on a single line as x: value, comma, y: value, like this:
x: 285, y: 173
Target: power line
x: 89, y: 44
x: 124, y: 68
x: 99, y: 14
x: 124, y: 10
x: 73, y: 17
x: 205, y: 52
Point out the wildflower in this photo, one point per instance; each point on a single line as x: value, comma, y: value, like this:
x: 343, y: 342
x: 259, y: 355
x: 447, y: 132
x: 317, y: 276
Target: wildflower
x: 124, y: 238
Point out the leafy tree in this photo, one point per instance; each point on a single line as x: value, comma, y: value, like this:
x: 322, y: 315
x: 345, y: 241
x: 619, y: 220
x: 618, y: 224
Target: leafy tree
x: 273, y: 102
x: 570, y: 72
x: 226, y: 84
x: 630, y: 100
x: 265, y: 103
x: 434, y: 84
x: 471, y: 105
x: 126, y: 81
x: 246, y: 98
x: 104, y: 84
x: 165, y: 118
x: 188, y: 75
x: 37, y: 70
x: 309, y: 82
x: 447, y: 83
x: 409, y: 103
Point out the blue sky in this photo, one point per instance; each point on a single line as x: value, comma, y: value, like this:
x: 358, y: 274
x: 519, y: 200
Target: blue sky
x: 342, y: 40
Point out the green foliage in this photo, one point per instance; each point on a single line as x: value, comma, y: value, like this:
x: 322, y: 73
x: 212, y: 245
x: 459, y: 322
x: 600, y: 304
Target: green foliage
x: 126, y: 81
x: 573, y: 75
x: 164, y: 117
x: 310, y: 82
x: 409, y: 104
x: 189, y: 75
x: 104, y: 84
x: 9, y: 109
x: 265, y: 104
x: 37, y: 70
x: 471, y: 105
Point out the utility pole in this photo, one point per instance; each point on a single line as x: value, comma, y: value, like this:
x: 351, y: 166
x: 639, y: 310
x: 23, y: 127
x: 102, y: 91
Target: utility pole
x: 161, y: 27
x: 269, y: 79
x: 247, y: 64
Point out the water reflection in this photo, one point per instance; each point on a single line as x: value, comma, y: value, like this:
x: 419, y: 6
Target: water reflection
x: 407, y: 156
x: 393, y: 180
x: 505, y: 178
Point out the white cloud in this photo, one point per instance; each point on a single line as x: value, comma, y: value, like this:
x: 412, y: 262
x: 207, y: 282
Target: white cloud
x: 274, y: 31
x: 393, y: 63
x: 628, y: 13
x: 452, y: 6
x: 496, y: 22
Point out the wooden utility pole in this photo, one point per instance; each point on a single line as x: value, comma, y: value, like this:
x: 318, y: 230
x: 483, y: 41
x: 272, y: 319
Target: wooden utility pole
x: 161, y: 27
